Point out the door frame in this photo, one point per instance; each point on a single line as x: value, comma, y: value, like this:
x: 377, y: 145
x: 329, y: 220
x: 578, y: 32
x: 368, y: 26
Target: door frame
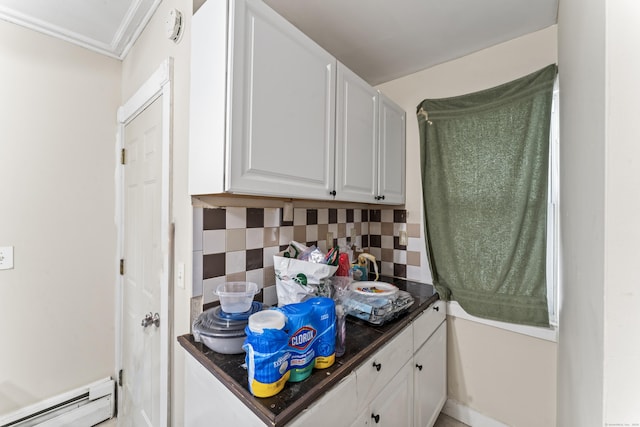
x: 159, y: 84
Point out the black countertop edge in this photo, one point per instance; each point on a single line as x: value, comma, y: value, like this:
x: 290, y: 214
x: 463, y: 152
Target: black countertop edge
x: 363, y: 340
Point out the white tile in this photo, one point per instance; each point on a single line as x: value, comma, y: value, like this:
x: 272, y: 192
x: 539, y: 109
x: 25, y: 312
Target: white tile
x: 267, y: 256
x: 270, y: 296
x: 299, y: 216
x: 399, y: 257
x: 236, y: 218
x: 197, y: 274
x: 209, y: 287
x: 415, y: 244
x: 323, y: 216
x: 236, y: 262
x: 214, y: 241
x: 198, y: 225
x: 254, y: 238
x: 272, y: 217
x: 387, y: 215
x: 286, y: 235
x: 256, y: 276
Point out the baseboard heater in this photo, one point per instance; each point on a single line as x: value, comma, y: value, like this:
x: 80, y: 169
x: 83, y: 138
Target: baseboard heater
x: 83, y: 407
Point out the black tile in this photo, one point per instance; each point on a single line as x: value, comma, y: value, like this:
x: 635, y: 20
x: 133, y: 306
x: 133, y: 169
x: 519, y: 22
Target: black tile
x: 214, y: 219
x: 283, y: 248
x: 312, y: 216
x: 255, y: 217
x: 365, y: 241
x: 254, y: 259
x: 333, y: 216
x: 213, y: 265
x: 309, y: 244
x: 365, y: 215
x: 349, y: 215
x: 399, y: 270
x: 397, y: 245
x: 400, y: 215
x: 284, y: 223
x: 375, y: 241
x: 375, y: 215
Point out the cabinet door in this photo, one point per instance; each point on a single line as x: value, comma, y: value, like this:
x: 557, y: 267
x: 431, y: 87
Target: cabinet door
x: 282, y: 116
x: 391, y: 176
x: 374, y: 375
x: 430, y: 378
x: 394, y: 406
x: 356, y: 138
x: 335, y: 408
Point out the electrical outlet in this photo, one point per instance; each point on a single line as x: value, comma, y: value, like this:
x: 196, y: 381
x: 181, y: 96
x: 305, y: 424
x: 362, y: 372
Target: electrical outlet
x: 329, y: 239
x: 6, y: 257
x: 402, y: 240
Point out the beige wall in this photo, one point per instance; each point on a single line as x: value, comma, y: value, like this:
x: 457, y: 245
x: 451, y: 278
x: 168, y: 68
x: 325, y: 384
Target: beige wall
x: 57, y: 157
x: 151, y: 49
x: 504, y: 375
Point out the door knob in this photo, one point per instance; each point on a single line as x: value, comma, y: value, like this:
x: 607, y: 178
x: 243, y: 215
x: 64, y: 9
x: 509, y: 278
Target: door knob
x: 151, y: 319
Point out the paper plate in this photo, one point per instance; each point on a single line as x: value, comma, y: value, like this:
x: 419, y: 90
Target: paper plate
x: 378, y: 289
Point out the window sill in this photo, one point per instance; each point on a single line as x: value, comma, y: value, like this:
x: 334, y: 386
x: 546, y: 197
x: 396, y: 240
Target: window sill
x: 548, y: 334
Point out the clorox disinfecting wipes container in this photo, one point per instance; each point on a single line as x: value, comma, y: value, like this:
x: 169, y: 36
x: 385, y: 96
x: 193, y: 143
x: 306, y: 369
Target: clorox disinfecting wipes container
x: 267, y: 355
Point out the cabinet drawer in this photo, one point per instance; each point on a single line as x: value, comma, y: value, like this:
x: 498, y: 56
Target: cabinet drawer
x: 427, y: 323
x: 374, y: 374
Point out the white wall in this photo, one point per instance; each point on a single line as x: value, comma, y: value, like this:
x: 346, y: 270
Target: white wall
x: 599, y: 379
x: 151, y: 49
x: 58, y: 125
x: 504, y: 375
x: 622, y: 215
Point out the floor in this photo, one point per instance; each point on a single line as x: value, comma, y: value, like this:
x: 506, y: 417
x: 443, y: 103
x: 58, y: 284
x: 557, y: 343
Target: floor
x: 446, y: 421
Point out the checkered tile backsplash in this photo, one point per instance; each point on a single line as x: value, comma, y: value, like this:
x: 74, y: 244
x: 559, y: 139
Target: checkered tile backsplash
x: 238, y: 244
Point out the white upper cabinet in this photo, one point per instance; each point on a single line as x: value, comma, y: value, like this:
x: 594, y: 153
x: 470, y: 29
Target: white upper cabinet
x: 356, y: 138
x: 370, y: 143
x: 392, y: 152
x: 274, y: 114
x: 262, y: 105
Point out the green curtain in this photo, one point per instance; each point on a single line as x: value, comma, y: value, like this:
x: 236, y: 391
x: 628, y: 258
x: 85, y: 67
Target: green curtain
x: 484, y: 161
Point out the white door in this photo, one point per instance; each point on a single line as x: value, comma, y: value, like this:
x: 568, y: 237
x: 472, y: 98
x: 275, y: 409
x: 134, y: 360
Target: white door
x: 140, y: 395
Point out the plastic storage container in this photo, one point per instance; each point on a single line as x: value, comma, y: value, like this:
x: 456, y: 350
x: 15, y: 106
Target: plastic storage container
x: 236, y: 297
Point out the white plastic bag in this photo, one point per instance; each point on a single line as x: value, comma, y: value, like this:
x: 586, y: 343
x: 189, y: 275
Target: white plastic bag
x: 296, y: 280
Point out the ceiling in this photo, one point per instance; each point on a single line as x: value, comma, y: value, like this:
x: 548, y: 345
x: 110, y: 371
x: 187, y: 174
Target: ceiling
x: 380, y: 40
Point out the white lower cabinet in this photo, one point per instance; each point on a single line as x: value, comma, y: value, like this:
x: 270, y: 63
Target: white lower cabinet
x: 333, y: 409
x: 402, y: 384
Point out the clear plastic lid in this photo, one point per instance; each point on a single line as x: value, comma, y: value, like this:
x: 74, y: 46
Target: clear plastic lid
x: 267, y: 319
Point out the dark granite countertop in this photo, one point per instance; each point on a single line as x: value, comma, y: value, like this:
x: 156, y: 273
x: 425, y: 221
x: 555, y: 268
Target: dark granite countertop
x: 363, y: 340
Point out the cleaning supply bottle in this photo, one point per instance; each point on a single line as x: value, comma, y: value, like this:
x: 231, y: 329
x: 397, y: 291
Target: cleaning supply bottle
x: 360, y: 270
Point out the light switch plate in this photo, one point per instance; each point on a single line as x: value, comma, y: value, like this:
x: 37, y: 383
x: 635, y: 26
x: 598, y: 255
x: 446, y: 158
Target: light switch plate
x: 402, y: 240
x: 6, y: 257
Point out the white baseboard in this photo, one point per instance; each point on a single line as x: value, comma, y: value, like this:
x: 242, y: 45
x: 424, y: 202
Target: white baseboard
x: 469, y: 416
